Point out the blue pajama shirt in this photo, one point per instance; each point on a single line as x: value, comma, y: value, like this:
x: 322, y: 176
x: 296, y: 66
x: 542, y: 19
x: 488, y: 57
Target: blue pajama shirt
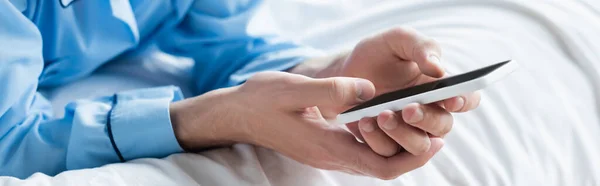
x: 48, y: 43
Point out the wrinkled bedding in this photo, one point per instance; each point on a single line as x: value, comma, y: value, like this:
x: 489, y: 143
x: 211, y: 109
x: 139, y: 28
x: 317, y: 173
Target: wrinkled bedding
x: 540, y: 126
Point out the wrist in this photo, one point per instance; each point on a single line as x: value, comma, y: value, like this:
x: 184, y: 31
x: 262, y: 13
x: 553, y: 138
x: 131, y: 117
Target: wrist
x: 201, y: 122
x: 178, y: 120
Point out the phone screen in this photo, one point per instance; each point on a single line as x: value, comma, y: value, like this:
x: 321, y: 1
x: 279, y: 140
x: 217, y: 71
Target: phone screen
x: 434, y: 85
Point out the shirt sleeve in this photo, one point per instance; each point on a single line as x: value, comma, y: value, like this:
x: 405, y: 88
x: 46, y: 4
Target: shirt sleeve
x: 94, y: 132
x: 230, y: 41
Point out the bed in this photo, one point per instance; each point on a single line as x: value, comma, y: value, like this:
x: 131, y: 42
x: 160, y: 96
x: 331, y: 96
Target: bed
x: 541, y: 126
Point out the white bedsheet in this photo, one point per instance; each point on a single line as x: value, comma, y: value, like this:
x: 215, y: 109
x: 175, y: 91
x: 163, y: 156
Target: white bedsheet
x: 541, y: 126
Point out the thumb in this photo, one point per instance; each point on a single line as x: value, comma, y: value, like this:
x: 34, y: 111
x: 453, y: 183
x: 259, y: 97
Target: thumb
x: 409, y: 44
x: 335, y: 92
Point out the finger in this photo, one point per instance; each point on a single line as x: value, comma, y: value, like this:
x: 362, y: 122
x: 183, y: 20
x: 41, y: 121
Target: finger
x: 463, y: 103
x: 331, y: 95
x: 413, y: 140
x: 353, y: 127
x: 362, y: 159
x: 298, y: 91
x: 408, y: 44
x: 376, y: 138
x: 405, y: 162
x: 333, y: 91
x: 430, y: 118
x: 347, y: 153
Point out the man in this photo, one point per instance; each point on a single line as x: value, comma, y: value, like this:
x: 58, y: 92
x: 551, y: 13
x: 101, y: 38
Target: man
x: 54, y: 42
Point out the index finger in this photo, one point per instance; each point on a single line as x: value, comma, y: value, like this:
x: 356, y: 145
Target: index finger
x: 408, y: 44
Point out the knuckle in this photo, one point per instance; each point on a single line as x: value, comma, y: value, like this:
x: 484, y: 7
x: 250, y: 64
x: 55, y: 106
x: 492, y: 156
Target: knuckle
x: 336, y: 91
x: 422, y: 147
x: 403, y: 31
x: 466, y: 105
x: 447, y: 125
x: 430, y: 42
x: 432, y: 45
x: 365, y: 43
x: 428, y: 122
x: 424, y: 47
x: 431, y: 120
x: 471, y: 103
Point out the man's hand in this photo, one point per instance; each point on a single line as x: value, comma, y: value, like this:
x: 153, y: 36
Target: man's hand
x: 396, y: 59
x: 287, y: 113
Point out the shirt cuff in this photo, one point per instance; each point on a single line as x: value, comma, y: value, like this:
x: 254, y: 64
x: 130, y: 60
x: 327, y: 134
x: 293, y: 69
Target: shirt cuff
x: 274, y: 61
x: 141, y: 124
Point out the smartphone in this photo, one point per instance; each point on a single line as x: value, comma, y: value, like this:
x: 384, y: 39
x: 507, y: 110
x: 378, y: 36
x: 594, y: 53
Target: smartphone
x: 429, y: 92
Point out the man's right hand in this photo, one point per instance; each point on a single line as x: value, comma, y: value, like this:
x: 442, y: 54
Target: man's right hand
x: 288, y: 113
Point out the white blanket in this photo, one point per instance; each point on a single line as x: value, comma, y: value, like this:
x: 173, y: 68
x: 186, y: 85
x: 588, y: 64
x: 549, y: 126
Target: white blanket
x: 540, y: 126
